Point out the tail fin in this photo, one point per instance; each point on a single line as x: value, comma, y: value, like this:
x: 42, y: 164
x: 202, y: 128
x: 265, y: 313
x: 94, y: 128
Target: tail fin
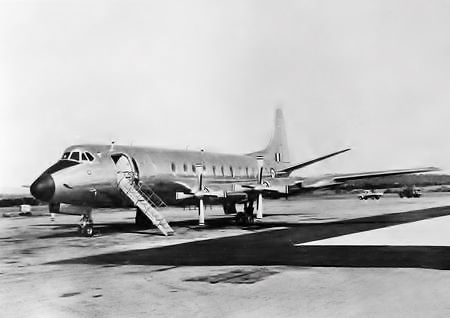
x: 277, y: 150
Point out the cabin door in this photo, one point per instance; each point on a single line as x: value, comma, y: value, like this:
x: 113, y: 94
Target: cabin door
x: 125, y: 167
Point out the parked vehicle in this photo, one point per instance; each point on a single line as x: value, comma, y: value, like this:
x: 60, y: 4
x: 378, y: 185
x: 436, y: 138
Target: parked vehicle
x: 368, y: 194
x: 410, y: 192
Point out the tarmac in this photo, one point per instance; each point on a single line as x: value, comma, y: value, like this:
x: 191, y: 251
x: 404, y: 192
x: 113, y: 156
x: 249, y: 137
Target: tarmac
x: 312, y: 256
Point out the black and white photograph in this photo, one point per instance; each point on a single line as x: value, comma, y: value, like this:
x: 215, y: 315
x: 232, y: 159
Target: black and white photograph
x: 210, y: 158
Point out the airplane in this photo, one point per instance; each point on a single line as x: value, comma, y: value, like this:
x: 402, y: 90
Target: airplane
x: 90, y: 176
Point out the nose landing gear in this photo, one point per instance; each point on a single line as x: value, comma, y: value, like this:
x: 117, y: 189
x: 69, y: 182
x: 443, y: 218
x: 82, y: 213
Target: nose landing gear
x: 86, y: 226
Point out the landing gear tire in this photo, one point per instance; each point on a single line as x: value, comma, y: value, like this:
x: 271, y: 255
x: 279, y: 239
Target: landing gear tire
x: 86, y: 226
x: 249, y: 219
x: 244, y: 219
x: 240, y: 218
x: 87, y: 230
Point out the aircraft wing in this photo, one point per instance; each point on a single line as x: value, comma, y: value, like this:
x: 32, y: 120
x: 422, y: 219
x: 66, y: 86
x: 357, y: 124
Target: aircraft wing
x: 331, y: 180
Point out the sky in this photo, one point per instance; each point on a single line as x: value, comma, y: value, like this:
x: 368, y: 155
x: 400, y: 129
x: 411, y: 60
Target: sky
x: 370, y: 75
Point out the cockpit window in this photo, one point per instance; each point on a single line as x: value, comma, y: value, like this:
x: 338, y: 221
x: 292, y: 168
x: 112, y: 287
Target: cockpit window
x: 89, y: 156
x: 78, y: 156
x: 75, y: 156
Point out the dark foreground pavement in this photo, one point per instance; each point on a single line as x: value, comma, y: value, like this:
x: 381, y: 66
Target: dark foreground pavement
x: 277, y: 247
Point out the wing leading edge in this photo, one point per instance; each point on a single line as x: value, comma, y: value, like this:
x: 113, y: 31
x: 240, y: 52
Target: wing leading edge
x: 331, y: 180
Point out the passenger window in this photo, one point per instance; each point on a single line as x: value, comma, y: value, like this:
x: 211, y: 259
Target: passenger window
x: 75, y: 156
x: 223, y: 171
x: 173, y: 167
x: 66, y: 155
x: 185, y: 167
x: 231, y: 171
x: 193, y: 168
x: 89, y: 156
x: 83, y: 157
x: 246, y: 171
x: 214, y: 170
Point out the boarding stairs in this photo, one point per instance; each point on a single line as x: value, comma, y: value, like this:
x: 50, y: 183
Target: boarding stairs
x: 148, y: 201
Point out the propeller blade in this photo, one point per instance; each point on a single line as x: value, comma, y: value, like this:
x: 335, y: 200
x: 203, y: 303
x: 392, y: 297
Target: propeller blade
x: 199, y: 171
x: 260, y: 162
x: 259, y: 211
x: 201, y: 212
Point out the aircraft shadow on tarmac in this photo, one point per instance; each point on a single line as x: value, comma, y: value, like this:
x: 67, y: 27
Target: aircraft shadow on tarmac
x: 71, y: 230
x: 277, y: 247
x: 130, y: 227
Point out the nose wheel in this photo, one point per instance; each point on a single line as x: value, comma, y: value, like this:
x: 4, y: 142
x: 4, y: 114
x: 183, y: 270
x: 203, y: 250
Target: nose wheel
x: 86, y: 226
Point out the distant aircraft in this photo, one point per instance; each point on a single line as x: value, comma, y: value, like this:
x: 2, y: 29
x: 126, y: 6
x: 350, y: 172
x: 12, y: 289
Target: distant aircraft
x: 100, y: 176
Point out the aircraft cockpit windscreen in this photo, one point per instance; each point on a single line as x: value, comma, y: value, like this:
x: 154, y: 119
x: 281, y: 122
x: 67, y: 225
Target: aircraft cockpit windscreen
x: 75, y: 156
x: 71, y: 158
x: 78, y: 156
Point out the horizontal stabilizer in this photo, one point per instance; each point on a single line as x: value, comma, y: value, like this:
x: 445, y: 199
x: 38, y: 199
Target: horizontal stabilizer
x: 287, y: 171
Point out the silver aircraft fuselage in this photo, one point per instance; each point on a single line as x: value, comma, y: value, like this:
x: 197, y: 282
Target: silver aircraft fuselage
x: 94, y: 182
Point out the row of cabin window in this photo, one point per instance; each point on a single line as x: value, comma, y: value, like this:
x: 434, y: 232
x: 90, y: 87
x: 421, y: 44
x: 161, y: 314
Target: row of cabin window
x: 214, y: 170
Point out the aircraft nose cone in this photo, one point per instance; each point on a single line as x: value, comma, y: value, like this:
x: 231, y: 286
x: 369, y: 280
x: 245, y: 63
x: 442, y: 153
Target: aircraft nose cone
x: 43, y: 188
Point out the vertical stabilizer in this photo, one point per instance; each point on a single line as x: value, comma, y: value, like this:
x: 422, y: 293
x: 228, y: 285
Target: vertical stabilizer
x: 277, y: 150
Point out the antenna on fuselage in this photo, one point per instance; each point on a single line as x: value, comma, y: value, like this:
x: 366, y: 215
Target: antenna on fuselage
x: 112, y: 146
x: 202, y: 151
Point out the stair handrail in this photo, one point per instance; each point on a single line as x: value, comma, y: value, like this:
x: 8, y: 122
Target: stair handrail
x: 150, y: 198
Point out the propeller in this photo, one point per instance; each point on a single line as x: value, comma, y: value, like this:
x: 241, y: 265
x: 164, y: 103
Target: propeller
x: 199, y: 194
x: 259, y: 206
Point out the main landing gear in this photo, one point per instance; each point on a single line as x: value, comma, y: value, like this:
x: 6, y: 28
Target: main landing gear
x: 246, y: 217
x: 86, y: 226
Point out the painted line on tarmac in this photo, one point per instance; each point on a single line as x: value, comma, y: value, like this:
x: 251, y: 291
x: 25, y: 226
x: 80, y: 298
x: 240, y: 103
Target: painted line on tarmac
x: 430, y: 232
